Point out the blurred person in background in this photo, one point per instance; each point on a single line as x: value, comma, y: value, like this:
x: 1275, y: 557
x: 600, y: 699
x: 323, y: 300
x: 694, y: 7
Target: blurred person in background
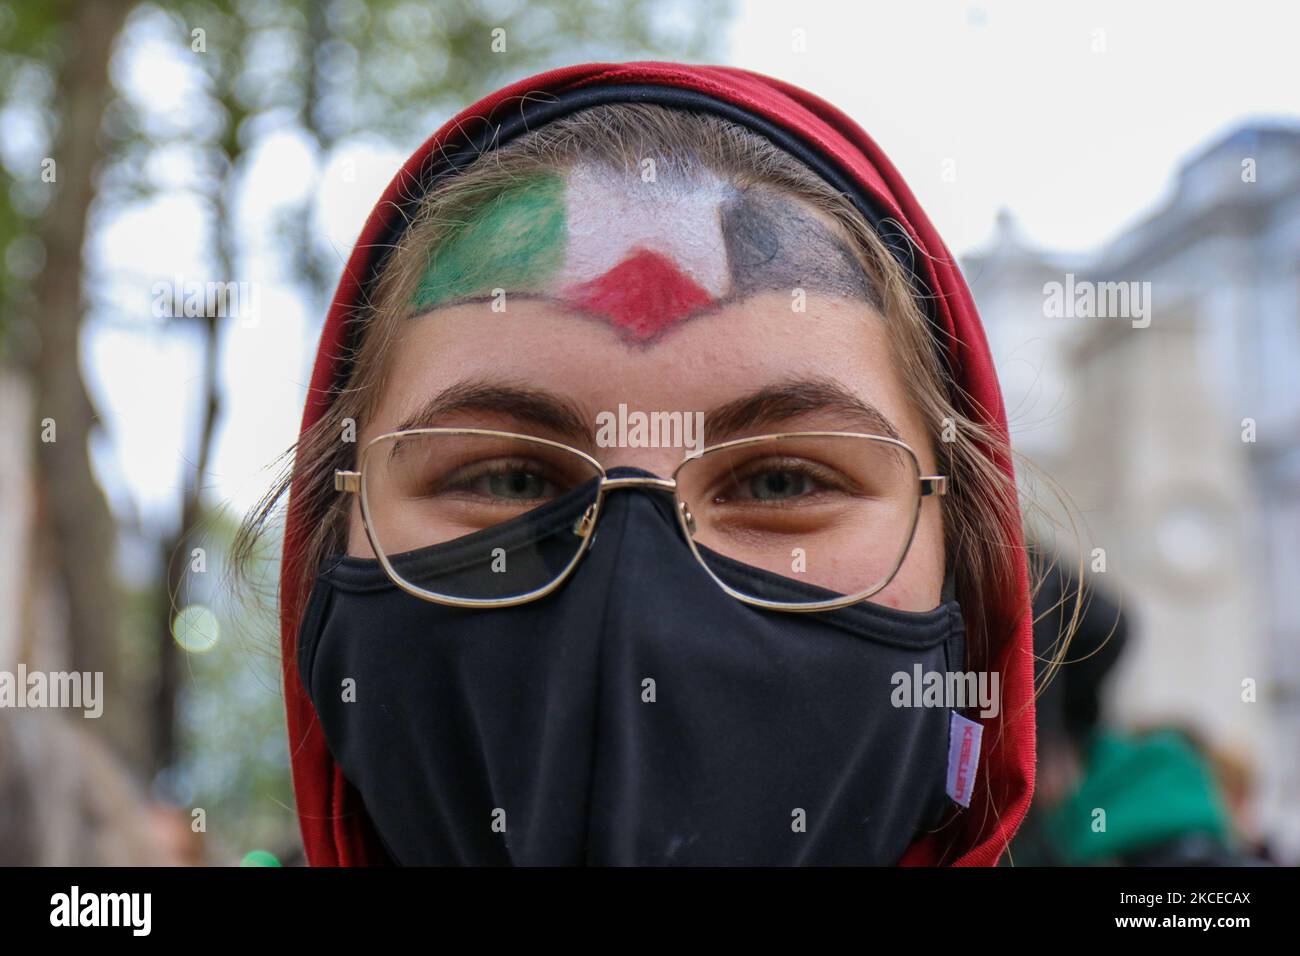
x: 1106, y: 796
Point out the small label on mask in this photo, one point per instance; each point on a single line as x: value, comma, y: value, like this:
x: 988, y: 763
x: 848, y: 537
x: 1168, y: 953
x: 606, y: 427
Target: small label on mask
x: 963, y: 757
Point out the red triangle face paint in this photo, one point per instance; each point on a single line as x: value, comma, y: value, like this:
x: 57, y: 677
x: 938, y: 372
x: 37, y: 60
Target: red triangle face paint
x: 642, y: 295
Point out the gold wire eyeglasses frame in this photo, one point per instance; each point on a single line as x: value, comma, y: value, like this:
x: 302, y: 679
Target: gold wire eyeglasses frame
x: 354, y: 482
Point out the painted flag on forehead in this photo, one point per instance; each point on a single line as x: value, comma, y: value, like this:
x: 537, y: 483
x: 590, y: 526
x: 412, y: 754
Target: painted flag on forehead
x: 335, y: 828
x: 640, y: 253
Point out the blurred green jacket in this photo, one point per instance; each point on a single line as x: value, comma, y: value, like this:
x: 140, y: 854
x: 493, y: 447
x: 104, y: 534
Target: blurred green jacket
x: 1156, y: 792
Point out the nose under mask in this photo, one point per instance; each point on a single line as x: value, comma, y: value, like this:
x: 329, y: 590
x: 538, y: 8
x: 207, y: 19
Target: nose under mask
x: 638, y: 715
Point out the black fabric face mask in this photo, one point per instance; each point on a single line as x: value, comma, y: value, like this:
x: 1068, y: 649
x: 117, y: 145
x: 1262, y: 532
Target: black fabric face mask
x: 638, y: 715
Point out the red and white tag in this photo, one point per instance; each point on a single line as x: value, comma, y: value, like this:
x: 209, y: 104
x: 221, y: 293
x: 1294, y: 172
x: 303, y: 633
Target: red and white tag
x: 963, y: 757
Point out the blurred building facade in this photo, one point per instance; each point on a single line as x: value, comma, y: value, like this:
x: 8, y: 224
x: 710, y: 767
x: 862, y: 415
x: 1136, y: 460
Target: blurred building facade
x: 1179, y: 443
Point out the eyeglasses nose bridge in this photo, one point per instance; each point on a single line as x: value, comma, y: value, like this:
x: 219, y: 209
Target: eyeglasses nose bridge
x: 584, y: 525
x: 663, y: 484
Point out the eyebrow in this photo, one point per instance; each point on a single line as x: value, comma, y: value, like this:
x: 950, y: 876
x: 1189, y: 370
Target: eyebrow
x: 762, y: 409
x: 774, y: 404
x: 532, y: 406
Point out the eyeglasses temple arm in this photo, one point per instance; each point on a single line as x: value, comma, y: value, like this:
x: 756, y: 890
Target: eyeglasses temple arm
x: 934, y: 485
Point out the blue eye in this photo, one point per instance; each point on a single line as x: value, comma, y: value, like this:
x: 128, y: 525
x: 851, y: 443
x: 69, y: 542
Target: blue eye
x: 776, y: 481
x: 517, y: 484
x: 507, y: 481
x: 776, y: 485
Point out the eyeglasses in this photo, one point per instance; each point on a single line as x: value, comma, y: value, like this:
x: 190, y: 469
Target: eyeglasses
x: 474, y: 517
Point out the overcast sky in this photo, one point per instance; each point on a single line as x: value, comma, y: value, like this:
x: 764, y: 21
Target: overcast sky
x: 1075, y: 143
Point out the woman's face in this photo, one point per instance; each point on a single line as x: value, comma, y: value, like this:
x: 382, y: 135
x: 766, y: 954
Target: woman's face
x: 661, y: 297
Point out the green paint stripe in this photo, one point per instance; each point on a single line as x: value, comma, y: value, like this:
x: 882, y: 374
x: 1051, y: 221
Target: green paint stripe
x: 516, y: 241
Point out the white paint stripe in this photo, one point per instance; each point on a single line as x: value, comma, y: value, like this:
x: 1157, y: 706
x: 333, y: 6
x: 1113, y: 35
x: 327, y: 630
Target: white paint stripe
x: 610, y: 214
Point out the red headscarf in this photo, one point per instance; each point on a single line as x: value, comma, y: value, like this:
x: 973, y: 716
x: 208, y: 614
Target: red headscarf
x: 335, y: 828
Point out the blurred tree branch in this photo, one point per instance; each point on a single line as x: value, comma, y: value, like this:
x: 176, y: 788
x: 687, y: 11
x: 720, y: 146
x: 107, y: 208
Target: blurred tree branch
x: 74, y: 525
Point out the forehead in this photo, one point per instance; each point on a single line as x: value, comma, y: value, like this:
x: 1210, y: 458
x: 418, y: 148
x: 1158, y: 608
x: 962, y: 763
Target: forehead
x: 641, y: 249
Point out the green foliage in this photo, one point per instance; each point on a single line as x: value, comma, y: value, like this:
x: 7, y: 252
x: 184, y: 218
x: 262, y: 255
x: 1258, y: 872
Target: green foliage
x: 30, y: 53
